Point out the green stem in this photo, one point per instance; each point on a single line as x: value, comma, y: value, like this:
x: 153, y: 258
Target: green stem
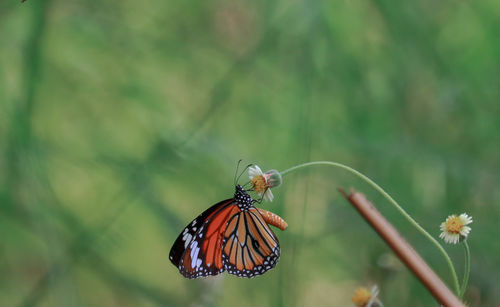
x: 394, y: 203
x: 467, y: 268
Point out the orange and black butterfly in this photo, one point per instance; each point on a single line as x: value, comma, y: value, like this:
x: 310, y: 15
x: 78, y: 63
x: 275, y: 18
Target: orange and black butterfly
x: 232, y: 235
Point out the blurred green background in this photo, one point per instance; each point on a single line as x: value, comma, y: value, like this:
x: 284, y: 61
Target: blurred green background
x: 120, y: 121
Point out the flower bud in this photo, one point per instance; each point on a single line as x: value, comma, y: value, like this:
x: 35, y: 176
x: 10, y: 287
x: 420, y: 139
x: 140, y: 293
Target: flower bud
x: 274, y: 178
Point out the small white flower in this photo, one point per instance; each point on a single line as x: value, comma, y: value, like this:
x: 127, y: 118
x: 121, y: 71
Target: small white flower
x: 454, y: 227
x: 254, y: 171
x: 364, y: 298
x: 373, y: 297
x: 261, y: 182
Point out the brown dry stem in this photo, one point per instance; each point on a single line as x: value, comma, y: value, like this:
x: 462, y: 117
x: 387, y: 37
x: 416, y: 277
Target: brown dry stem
x: 403, y: 250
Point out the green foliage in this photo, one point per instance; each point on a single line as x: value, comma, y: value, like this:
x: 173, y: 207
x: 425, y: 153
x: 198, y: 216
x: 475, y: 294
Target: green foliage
x: 120, y: 121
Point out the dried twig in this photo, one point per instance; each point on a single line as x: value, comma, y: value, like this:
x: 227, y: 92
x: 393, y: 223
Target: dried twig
x: 403, y: 250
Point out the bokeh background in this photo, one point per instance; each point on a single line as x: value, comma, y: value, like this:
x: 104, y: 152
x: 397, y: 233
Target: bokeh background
x: 120, y: 121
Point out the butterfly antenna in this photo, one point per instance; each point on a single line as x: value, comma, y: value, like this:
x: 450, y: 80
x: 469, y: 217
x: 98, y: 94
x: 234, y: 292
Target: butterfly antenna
x: 236, y: 173
x: 244, y: 170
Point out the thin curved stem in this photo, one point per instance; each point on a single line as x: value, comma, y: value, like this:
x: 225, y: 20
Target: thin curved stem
x: 467, y: 268
x: 393, y: 202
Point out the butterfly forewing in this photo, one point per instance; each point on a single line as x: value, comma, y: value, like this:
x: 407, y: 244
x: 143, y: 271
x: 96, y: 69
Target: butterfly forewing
x: 193, y: 229
x: 203, y: 256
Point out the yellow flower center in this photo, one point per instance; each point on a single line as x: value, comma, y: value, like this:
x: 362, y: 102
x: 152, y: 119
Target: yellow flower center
x: 454, y: 225
x: 361, y: 297
x: 259, y: 184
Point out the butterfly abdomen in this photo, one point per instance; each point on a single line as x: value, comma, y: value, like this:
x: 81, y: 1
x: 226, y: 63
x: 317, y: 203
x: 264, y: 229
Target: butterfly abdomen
x: 273, y: 219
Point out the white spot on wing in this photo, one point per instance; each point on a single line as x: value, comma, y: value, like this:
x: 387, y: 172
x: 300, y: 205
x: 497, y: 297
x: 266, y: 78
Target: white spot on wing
x: 187, y: 238
x: 194, y: 254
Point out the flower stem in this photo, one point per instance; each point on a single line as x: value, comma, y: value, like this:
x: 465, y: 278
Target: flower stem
x: 467, y: 268
x: 394, y: 203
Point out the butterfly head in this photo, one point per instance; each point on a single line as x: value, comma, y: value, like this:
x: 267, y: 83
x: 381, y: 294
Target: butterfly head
x: 241, y: 196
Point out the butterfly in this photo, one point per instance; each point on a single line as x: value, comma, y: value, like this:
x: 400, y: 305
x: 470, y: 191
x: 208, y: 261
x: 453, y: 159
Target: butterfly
x: 232, y: 235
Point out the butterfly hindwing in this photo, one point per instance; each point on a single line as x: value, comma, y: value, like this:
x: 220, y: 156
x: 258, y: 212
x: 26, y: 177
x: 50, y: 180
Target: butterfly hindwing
x: 250, y: 246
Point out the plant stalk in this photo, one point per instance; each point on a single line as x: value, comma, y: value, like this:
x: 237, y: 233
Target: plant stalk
x: 394, y: 203
x: 467, y: 268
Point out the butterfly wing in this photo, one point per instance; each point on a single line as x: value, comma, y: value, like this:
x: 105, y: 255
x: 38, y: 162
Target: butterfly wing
x: 231, y: 235
x: 250, y: 247
x: 189, y: 232
x: 197, y: 250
